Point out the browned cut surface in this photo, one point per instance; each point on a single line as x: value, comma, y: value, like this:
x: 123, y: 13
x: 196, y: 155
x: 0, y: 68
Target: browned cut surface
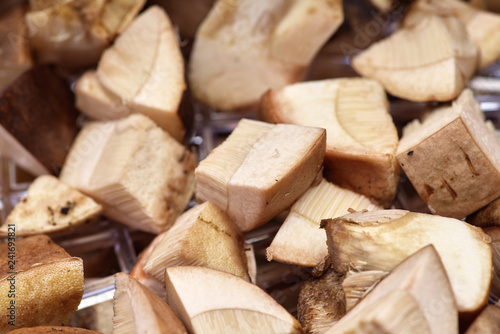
x: 38, y: 110
x: 30, y: 251
x: 321, y: 302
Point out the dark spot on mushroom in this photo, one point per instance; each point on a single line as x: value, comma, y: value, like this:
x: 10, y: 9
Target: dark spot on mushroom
x: 429, y: 191
x: 409, y: 153
x: 214, y: 226
x: 448, y: 187
x: 69, y: 206
x: 469, y: 163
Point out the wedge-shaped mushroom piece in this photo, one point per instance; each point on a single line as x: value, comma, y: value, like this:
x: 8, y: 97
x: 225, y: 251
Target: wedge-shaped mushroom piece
x: 488, y: 321
x: 452, y: 158
x: 380, y: 240
x: 74, y: 33
x: 260, y: 170
x: 154, y: 86
x: 393, y: 313
x: 483, y: 27
x: 158, y: 285
x: 321, y: 302
x: 50, y: 206
x: 37, y: 121
x: 53, y: 330
x: 202, y: 236
x: 97, y: 102
x: 299, y: 240
x: 357, y: 284
x: 431, y: 59
x: 40, y: 284
x: 140, y: 174
x: 16, y: 53
x: 361, y: 136
x: 424, y: 277
x: 245, y: 47
x: 212, y: 301
x: 138, y: 310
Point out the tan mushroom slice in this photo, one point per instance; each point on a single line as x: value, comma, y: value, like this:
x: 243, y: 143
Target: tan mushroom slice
x: 361, y: 136
x: 245, y: 47
x: 429, y: 60
x: 299, y: 240
x: 202, y: 236
x: 357, y: 284
x: 16, y: 53
x: 424, y: 277
x: 140, y: 174
x: 53, y: 330
x: 210, y: 252
x: 96, y: 101
x: 452, y: 158
x: 154, y: 86
x: 138, y: 310
x: 393, y: 313
x: 212, y: 301
x: 483, y: 27
x: 50, y: 206
x: 37, y: 121
x: 260, y: 170
x: 75, y: 33
x: 488, y: 321
x: 41, y: 284
x: 321, y: 302
x: 380, y: 240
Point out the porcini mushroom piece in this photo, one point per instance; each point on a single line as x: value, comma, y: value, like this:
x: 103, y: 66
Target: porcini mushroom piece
x: 50, y: 206
x: 260, y: 170
x: 380, y: 240
x: 212, y: 301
